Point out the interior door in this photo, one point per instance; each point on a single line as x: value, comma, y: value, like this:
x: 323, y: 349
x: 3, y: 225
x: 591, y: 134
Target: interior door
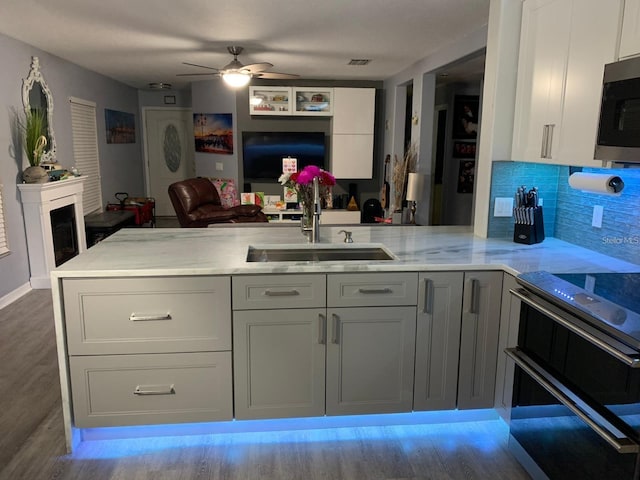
x: 169, y: 153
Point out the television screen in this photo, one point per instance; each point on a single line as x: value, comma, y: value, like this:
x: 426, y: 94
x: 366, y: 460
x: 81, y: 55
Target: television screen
x: 262, y: 152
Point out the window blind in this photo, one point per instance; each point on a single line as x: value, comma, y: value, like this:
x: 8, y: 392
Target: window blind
x: 85, y: 151
x: 4, y: 243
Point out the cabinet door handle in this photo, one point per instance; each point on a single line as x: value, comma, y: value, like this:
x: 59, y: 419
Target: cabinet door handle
x: 281, y: 293
x: 550, y: 140
x: 471, y: 295
x: 134, y: 317
x: 155, y: 390
x: 368, y: 291
x: 543, y: 146
x: 428, y: 296
x: 322, y: 329
x: 336, y: 325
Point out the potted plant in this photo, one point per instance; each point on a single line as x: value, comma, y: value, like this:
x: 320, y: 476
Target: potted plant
x: 34, y: 142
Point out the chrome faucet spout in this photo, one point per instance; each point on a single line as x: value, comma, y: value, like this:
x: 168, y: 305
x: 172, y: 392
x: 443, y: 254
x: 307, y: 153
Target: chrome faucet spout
x: 317, y: 211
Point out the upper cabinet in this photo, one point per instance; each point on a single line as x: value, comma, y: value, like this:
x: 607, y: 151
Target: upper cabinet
x: 630, y: 37
x: 564, y: 45
x: 315, y: 101
x: 353, y: 132
x: 270, y: 100
x: 307, y: 101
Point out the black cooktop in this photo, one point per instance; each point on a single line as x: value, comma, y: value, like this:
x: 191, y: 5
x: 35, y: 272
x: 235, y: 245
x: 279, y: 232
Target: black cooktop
x: 609, y: 301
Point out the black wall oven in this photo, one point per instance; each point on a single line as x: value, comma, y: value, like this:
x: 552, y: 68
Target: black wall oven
x: 575, y: 409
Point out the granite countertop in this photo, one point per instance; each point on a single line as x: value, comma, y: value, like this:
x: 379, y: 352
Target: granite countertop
x: 223, y: 250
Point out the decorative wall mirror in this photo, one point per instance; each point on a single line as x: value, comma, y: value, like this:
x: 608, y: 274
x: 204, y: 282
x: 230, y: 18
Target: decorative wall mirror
x: 36, y: 95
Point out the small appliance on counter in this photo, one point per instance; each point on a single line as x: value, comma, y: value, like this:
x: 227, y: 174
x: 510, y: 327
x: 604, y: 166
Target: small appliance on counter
x: 529, y: 225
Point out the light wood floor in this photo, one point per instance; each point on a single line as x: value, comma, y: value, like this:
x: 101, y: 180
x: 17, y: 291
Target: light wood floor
x: 32, y: 444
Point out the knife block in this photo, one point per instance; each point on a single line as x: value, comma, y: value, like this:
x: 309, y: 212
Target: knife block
x: 530, y: 233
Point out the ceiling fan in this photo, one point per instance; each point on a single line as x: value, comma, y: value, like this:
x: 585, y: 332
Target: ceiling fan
x: 236, y: 74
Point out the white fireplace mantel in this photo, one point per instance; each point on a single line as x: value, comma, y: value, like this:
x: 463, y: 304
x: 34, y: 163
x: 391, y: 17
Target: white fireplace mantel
x: 38, y: 200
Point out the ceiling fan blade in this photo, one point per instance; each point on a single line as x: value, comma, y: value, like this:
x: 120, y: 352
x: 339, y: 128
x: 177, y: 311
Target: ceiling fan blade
x: 257, y: 67
x: 276, y: 75
x: 201, y: 66
x: 195, y: 74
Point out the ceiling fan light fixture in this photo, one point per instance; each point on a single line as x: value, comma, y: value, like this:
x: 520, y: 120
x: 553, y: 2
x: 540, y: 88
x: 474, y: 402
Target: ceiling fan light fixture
x: 236, y: 79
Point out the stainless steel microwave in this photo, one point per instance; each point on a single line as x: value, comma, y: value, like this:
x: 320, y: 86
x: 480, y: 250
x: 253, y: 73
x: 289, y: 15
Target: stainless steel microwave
x: 618, y: 137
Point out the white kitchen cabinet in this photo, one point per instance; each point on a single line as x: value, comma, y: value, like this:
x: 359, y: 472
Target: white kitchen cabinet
x: 630, y: 36
x: 509, y: 322
x: 353, y: 132
x: 564, y: 45
x: 279, y: 363
x: 438, y: 340
x: 370, y: 359
x: 479, y: 339
x: 273, y: 101
x: 313, y: 101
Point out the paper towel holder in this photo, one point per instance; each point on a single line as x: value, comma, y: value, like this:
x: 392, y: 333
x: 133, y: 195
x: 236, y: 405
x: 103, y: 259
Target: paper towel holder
x: 603, y: 183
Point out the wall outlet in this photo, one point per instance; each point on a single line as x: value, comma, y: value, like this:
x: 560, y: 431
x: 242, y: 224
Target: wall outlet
x: 596, y: 220
x: 503, y: 207
x: 219, y: 166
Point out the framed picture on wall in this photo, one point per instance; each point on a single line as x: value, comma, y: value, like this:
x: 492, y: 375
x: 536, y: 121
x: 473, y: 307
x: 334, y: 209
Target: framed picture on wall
x: 466, y: 176
x: 464, y: 149
x: 465, y: 116
x: 120, y: 126
x: 213, y: 133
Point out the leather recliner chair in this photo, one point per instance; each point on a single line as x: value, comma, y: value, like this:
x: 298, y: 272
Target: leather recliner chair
x: 197, y: 204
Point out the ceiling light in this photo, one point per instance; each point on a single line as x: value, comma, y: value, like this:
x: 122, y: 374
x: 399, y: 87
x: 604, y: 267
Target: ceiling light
x: 236, y: 79
x: 160, y: 86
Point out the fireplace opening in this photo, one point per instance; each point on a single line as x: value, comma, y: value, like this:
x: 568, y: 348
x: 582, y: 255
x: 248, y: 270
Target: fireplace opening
x: 63, y: 229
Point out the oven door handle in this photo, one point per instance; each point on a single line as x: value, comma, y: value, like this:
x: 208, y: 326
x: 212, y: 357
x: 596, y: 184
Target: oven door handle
x: 622, y: 444
x: 623, y: 357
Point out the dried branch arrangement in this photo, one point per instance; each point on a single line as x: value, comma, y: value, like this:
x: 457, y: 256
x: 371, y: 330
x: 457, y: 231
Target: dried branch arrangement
x: 401, y: 170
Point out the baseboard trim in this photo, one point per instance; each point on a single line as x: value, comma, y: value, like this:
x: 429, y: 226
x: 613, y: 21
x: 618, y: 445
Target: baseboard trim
x: 15, y: 295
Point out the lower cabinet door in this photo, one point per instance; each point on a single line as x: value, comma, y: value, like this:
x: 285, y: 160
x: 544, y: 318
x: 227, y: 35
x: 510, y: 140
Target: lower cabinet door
x: 279, y: 363
x: 111, y: 390
x: 438, y: 340
x: 370, y: 359
x: 482, y: 296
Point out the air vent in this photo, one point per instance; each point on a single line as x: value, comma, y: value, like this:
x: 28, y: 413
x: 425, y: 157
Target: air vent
x: 359, y: 61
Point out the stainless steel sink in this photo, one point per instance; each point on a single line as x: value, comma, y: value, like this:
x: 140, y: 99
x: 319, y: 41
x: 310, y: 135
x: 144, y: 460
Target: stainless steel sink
x: 317, y: 254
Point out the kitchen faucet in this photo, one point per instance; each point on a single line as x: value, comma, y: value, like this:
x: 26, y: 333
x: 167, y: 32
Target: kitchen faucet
x: 313, y: 232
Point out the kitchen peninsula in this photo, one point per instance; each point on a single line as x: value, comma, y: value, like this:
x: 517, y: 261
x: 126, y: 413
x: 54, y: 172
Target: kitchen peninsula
x: 144, y: 323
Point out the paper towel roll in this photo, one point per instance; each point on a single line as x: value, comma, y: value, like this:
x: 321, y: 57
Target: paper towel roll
x: 596, y: 183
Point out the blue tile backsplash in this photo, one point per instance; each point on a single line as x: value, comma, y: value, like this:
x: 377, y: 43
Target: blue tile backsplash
x: 568, y: 213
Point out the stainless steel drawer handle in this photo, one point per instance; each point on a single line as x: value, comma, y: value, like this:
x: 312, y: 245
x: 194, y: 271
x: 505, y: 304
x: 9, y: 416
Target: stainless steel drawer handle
x: 336, y: 326
x: 368, y: 291
x: 134, y: 317
x: 573, y: 402
x: 281, y: 293
x: 155, y: 390
x: 623, y: 357
x: 428, y: 296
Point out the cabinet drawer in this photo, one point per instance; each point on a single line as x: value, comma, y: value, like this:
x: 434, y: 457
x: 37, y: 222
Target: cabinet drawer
x: 112, y: 390
x: 147, y: 315
x: 279, y: 291
x: 371, y: 290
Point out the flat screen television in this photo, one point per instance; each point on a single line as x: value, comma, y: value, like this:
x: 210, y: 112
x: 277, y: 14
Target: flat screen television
x: 262, y: 152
